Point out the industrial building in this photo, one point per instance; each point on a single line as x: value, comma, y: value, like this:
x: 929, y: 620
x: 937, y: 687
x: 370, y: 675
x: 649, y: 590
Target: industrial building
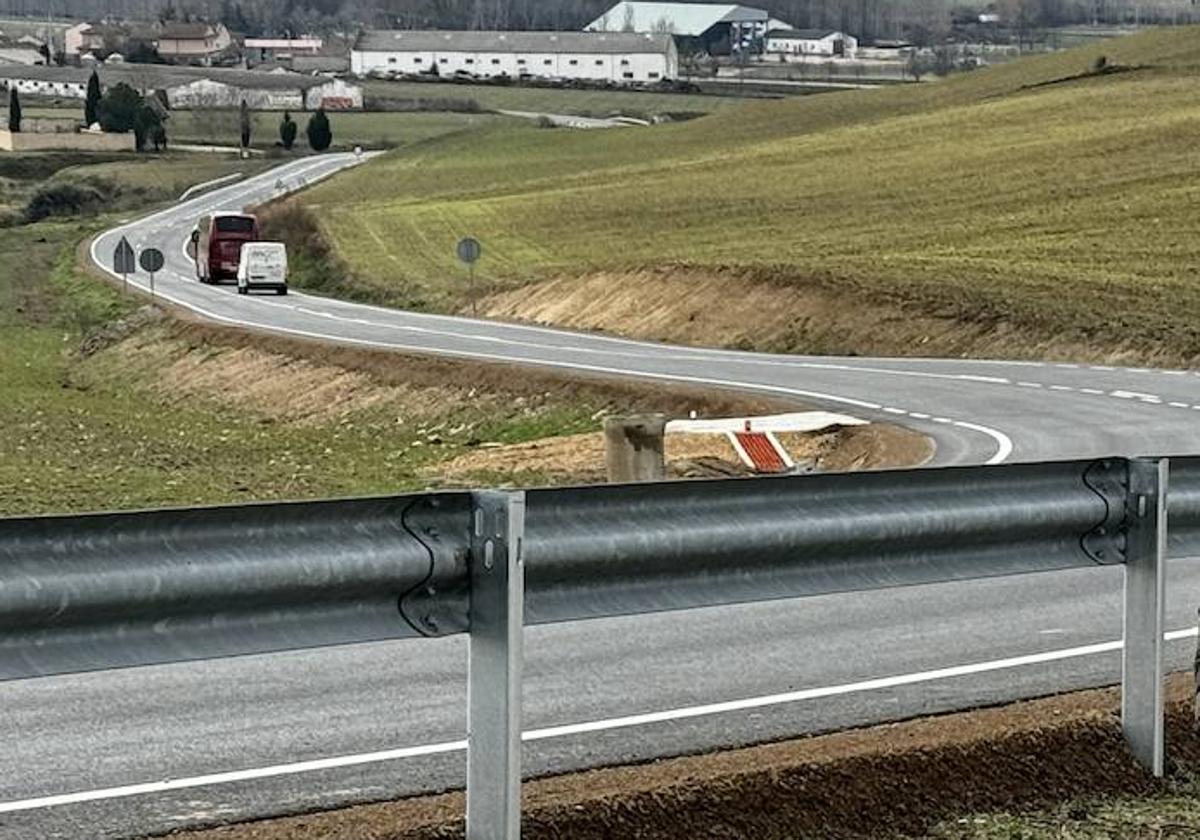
x: 826, y: 43
x: 620, y: 57
x: 717, y: 29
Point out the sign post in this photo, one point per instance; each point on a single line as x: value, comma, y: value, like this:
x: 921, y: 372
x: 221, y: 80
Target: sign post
x: 124, y: 262
x: 469, y: 251
x: 151, y: 261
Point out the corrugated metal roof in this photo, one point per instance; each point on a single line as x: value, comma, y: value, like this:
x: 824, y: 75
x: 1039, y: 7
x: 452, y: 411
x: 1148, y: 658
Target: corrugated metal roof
x: 690, y: 19
x: 432, y: 40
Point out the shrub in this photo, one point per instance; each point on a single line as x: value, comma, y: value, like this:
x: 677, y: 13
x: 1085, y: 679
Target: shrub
x: 320, y: 133
x: 287, y: 131
x: 63, y: 199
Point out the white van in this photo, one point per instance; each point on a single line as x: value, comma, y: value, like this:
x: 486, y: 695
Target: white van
x: 262, y: 265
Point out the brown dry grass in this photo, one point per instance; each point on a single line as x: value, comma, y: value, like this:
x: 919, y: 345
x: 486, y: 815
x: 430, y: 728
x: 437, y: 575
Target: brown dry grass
x: 877, y: 782
x: 749, y: 309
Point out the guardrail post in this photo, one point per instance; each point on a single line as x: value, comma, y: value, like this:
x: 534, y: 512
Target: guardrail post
x: 494, y: 668
x: 1145, y: 577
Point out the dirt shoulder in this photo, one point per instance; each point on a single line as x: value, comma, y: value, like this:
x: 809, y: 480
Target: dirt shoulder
x: 748, y: 310
x: 896, y: 780
x: 576, y: 459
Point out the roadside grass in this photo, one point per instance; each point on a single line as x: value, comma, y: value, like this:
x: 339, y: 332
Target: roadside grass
x: 596, y: 103
x: 109, y: 183
x: 107, y: 405
x: 1038, y: 194
x: 1173, y: 814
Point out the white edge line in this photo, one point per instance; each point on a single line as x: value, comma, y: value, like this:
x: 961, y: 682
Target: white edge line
x: 547, y: 733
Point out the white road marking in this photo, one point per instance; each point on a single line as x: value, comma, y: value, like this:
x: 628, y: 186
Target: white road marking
x: 1004, y: 445
x: 570, y: 729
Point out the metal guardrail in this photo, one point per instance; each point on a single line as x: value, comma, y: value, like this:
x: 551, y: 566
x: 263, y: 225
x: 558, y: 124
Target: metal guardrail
x: 120, y: 589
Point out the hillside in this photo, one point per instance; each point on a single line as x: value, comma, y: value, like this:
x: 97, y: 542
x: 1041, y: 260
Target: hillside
x: 1040, y: 196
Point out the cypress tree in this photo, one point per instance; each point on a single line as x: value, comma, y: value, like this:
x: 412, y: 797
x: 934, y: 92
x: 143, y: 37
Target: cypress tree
x: 91, y: 105
x: 287, y: 131
x: 14, y: 111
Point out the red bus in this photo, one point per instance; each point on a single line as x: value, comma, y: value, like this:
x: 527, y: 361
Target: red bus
x: 217, y: 245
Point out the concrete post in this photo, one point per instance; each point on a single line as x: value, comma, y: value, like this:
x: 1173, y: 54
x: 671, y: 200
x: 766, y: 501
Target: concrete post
x: 633, y: 447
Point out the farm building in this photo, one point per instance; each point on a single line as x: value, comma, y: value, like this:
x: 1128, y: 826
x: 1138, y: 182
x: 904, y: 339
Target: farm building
x: 186, y: 87
x: 621, y: 57
x: 826, y: 43
x: 197, y: 42
x: 280, y: 49
x: 718, y: 29
x: 264, y: 92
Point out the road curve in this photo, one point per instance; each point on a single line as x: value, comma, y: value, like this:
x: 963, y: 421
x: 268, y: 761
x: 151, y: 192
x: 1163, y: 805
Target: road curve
x: 115, y: 754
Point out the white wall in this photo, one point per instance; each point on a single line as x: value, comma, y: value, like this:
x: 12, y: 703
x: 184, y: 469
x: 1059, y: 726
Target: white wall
x: 70, y: 90
x: 630, y: 67
x: 812, y: 47
x: 344, y: 96
x: 203, y: 93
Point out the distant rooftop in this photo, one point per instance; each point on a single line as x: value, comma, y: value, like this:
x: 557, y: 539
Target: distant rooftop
x: 690, y: 19
x: 424, y: 40
x: 188, y: 31
x: 802, y: 34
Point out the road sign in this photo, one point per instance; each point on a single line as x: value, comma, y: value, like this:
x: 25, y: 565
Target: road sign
x: 469, y: 250
x: 151, y: 260
x: 123, y: 259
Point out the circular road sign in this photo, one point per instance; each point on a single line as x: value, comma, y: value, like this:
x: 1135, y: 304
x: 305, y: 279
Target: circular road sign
x: 151, y: 260
x: 469, y: 250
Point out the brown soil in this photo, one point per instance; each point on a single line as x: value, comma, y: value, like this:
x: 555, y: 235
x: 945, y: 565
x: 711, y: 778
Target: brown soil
x: 578, y: 459
x: 745, y: 310
x: 877, y: 782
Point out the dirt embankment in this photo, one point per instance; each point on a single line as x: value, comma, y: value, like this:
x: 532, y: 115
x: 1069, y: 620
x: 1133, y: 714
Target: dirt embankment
x: 886, y: 781
x: 746, y: 310
x: 580, y: 458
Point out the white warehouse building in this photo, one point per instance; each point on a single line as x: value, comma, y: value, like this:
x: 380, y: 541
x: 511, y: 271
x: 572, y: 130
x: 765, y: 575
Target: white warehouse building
x: 622, y: 57
x: 826, y: 43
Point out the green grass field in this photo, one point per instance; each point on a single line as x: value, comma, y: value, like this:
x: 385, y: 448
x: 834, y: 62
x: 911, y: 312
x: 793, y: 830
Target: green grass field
x: 1018, y: 194
x: 118, y: 182
x: 350, y: 129
x: 552, y: 100
x: 160, y: 413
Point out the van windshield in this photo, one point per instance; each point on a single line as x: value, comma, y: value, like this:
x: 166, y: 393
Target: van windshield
x: 234, y: 224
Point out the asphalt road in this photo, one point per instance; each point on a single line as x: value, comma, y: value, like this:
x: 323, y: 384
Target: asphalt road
x: 116, y: 754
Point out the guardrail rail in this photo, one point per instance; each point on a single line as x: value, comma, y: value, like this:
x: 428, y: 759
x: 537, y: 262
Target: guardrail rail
x: 122, y: 589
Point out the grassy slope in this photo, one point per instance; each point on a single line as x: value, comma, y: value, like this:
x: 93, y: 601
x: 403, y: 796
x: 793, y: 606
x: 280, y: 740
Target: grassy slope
x: 161, y: 414
x: 994, y: 196
x: 551, y: 100
x: 113, y: 431
x: 125, y: 181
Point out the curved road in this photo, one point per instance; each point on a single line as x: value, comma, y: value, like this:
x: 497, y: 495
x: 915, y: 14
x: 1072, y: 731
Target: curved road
x: 116, y: 754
